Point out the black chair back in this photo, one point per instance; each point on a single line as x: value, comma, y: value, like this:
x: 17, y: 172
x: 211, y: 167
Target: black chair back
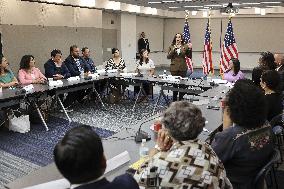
x: 259, y: 179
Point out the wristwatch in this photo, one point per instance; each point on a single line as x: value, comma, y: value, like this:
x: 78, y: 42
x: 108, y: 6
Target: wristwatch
x: 158, y: 148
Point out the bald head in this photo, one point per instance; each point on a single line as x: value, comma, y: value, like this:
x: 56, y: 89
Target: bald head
x: 279, y: 59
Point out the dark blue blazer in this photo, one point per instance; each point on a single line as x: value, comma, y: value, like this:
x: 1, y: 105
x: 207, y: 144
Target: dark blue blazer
x: 50, y: 69
x: 125, y: 181
x: 72, y: 66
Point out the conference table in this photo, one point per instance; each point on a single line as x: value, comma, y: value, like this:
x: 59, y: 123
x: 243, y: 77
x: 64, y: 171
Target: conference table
x: 124, y: 140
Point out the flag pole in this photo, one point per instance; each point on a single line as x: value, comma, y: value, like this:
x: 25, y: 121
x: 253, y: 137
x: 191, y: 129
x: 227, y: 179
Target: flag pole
x: 209, y: 23
x: 220, y: 71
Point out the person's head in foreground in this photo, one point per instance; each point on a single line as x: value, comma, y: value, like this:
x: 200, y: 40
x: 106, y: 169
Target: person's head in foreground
x: 245, y: 104
x: 79, y: 156
x: 183, y: 121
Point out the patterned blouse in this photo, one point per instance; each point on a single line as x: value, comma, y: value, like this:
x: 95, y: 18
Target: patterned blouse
x: 112, y: 65
x: 188, y: 164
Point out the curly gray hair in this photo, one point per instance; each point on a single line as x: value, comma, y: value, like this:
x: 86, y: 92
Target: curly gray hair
x: 183, y: 120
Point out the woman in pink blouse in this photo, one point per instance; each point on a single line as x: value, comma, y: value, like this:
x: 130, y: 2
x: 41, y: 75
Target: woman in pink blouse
x: 28, y: 73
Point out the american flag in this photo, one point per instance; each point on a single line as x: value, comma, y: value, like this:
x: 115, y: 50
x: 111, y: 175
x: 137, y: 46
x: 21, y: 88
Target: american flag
x: 186, y: 37
x: 207, y: 52
x: 229, y: 48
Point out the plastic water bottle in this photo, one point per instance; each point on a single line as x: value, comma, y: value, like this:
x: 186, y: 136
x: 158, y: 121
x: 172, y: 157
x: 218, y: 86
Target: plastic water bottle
x: 82, y: 74
x: 143, y: 150
x: 165, y: 74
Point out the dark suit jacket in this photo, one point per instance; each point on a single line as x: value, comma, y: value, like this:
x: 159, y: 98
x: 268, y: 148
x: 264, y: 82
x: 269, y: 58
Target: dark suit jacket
x: 125, y: 181
x: 281, y: 73
x: 72, y: 66
x: 143, y: 44
x: 50, y: 69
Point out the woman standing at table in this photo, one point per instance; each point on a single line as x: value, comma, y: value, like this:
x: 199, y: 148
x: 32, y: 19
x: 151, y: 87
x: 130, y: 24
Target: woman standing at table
x: 233, y: 73
x: 146, y: 67
x: 28, y: 73
x: 7, y: 78
x: 177, y: 53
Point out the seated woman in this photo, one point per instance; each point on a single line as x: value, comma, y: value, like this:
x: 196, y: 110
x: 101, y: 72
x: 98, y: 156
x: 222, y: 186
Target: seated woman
x: 28, y: 73
x: 270, y: 83
x: 146, y: 67
x: 245, y: 144
x: 7, y: 78
x: 265, y: 62
x: 233, y: 73
x: 179, y: 159
x: 116, y: 62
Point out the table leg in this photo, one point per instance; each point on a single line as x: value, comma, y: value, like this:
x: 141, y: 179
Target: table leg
x: 99, y: 96
x: 41, y: 117
x: 64, y: 110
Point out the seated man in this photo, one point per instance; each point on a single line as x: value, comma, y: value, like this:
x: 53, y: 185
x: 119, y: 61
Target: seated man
x: 89, y: 61
x: 75, y: 64
x: 80, y: 158
x: 54, y: 68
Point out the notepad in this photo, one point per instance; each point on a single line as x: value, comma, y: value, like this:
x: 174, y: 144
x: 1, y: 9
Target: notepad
x: 137, y: 164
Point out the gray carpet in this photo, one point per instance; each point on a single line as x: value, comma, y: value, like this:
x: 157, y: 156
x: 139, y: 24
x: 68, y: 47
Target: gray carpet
x: 12, y: 167
x: 115, y: 117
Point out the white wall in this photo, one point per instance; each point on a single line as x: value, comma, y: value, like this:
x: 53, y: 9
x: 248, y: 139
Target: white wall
x: 153, y: 28
x: 128, y: 39
x: 253, y: 35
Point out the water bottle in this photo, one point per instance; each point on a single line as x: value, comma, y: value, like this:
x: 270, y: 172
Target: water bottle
x: 143, y: 150
x: 165, y: 74
x: 82, y: 74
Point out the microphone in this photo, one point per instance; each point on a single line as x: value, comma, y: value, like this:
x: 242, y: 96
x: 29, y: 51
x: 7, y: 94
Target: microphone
x: 20, y: 91
x: 142, y: 134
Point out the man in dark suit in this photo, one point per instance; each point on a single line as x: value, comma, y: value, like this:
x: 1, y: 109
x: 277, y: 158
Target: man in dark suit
x: 143, y: 43
x: 80, y: 158
x: 279, y: 60
x: 76, y: 64
x: 54, y: 68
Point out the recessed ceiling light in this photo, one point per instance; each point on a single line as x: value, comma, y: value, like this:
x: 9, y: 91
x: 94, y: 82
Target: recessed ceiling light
x: 192, y: 6
x: 271, y: 2
x: 174, y: 7
x: 193, y: 13
x: 250, y: 3
x: 271, y: 6
x: 154, y: 2
x: 257, y: 10
x: 214, y: 5
x: 262, y: 12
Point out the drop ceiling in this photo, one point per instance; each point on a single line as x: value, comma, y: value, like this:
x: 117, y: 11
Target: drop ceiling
x: 179, y: 5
